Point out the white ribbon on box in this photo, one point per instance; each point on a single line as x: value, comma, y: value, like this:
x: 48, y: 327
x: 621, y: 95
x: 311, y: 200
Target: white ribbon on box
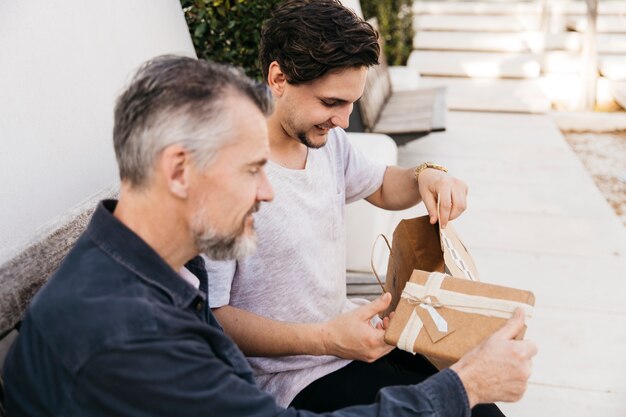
x: 423, y: 296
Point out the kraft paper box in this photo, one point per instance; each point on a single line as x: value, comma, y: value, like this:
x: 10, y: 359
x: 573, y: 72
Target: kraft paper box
x: 443, y: 317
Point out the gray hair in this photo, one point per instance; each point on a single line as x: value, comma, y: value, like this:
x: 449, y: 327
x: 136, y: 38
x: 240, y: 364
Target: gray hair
x: 177, y: 100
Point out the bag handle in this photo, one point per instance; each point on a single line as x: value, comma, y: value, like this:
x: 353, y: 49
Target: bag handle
x: 372, y: 259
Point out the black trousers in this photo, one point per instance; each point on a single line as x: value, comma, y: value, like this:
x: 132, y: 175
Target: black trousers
x: 358, y: 383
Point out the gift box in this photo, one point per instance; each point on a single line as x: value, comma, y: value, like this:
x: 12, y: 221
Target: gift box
x: 443, y: 317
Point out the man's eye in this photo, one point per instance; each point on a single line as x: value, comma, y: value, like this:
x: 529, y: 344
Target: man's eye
x: 329, y: 103
x: 253, y: 171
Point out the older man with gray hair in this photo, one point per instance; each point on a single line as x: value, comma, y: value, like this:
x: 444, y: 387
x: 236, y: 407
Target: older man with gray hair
x: 117, y: 331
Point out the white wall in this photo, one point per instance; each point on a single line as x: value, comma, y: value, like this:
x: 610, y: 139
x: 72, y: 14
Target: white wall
x: 62, y: 64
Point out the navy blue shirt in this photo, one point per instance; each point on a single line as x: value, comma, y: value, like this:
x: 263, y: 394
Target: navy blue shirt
x: 117, y: 332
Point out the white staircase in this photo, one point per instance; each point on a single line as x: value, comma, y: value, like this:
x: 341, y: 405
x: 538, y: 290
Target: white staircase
x: 530, y: 53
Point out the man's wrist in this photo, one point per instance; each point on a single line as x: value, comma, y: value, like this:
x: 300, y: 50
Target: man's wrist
x: 321, y: 340
x: 421, y: 167
x: 465, y: 379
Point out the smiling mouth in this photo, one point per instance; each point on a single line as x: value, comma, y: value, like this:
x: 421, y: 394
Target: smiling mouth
x: 325, y: 128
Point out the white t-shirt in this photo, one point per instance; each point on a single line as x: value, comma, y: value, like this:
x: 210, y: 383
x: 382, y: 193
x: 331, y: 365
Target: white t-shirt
x: 298, y: 273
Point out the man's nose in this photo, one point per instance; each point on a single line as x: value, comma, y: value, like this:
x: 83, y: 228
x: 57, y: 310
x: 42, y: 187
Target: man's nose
x: 342, y: 117
x: 265, y: 192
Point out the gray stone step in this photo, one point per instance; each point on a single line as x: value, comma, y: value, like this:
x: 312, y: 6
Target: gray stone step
x: 475, y: 64
x: 489, y: 95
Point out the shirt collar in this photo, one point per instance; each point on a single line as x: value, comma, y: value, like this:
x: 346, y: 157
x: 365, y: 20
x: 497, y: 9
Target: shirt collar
x: 132, y: 252
x: 190, y: 278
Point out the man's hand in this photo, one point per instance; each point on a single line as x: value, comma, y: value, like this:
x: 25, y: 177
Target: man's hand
x: 351, y: 336
x: 452, y: 194
x: 498, y: 369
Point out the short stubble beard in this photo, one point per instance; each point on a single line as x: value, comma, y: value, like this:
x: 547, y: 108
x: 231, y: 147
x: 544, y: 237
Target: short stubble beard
x: 304, y: 139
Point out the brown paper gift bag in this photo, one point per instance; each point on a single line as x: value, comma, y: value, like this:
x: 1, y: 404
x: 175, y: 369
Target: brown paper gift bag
x: 443, y: 317
x: 417, y: 244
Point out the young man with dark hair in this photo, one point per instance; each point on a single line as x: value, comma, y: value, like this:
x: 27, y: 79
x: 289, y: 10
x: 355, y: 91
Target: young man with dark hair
x: 118, y: 332
x: 286, y: 306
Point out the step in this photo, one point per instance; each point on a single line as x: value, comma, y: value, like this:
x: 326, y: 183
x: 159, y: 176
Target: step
x: 605, y: 8
x: 489, y: 95
x: 613, y: 67
x: 564, y: 41
x: 534, y: 41
x: 470, y: 41
x: 475, y: 64
x: 475, y: 8
x: 604, y: 24
x: 611, y: 43
x: 561, y: 62
x: 363, y: 285
x: 461, y: 23
x: 565, y: 91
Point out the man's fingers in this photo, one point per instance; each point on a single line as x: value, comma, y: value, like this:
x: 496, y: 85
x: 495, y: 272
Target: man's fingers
x: 512, y: 327
x: 530, y: 349
x: 445, y: 207
x: 377, y: 306
x: 430, y: 202
x: 385, y: 323
x: 459, y: 202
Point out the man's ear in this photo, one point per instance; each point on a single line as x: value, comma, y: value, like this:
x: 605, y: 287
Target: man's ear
x: 276, y: 79
x: 175, y: 165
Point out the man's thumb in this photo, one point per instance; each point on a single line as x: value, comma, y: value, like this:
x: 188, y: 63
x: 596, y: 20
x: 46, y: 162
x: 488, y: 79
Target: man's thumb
x: 513, y: 326
x: 377, y: 306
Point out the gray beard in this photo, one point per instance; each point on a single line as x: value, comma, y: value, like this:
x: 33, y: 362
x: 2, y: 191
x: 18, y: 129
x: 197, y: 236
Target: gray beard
x: 235, y: 245
x: 223, y: 248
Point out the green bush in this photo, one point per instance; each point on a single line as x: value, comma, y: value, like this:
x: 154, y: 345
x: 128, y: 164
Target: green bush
x: 395, y: 18
x: 228, y: 30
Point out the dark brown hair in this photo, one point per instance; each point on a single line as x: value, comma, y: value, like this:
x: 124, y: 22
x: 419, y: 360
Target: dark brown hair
x: 308, y: 38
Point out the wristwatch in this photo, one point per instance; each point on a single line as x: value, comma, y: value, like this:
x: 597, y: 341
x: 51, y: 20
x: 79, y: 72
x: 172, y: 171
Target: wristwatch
x: 423, y: 166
